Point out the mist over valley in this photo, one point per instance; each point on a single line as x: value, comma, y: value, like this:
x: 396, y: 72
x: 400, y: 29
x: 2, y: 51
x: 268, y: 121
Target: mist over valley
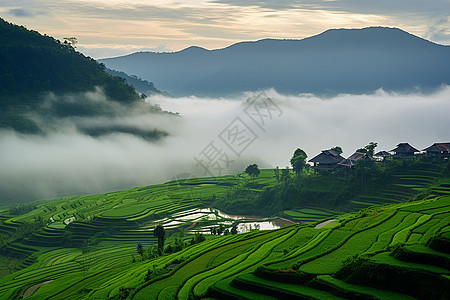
x: 82, y: 155
x: 68, y: 134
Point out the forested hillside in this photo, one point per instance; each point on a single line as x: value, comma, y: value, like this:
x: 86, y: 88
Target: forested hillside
x: 139, y: 84
x: 33, y: 65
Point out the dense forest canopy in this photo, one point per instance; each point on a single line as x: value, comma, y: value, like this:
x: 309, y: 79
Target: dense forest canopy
x: 32, y: 65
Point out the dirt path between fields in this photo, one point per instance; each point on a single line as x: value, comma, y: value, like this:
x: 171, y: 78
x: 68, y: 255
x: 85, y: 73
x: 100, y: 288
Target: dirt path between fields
x: 32, y: 289
x: 320, y: 225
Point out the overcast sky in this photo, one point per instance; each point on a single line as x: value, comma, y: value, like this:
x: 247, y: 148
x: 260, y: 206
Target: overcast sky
x: 107, y: 28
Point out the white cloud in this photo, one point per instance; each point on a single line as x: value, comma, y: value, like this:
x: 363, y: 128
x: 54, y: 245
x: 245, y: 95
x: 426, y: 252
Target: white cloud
x: 314, y: 124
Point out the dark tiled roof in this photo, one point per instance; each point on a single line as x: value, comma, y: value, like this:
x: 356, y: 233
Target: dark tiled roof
x: 357, y: 156
x: 353, y: 159
x: 331, y: 152
x: 404, y: 148
x: 432, y: 148
x: 438, y: 147
x: 347, y: 163
x: 382, y: 154
x: 327, y: 157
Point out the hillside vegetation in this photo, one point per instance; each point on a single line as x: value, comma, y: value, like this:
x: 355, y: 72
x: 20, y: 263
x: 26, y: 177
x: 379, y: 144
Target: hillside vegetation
x: 140, y: 85
x: 308, y: 196
x: 85, y: 247
x: 33, y: 65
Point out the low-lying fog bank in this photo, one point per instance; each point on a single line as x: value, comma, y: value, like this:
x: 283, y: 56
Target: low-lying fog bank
x: 213, y: 136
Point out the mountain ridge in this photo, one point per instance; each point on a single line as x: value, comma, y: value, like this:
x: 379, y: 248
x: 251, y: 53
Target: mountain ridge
x: 328, y: 31
x: 388, y: 58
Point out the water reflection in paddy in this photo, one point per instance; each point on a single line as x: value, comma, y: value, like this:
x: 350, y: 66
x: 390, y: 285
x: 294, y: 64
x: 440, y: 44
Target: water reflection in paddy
x: 245, y: 224
x: 264, y: 225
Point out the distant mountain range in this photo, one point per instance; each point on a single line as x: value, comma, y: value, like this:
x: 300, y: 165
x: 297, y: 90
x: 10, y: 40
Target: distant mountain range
x: 335, y: 61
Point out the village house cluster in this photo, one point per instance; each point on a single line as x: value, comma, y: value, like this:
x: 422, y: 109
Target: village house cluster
x: 330, y: 160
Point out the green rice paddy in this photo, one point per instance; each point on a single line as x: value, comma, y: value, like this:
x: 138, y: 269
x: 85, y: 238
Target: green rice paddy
x: 87, y: 247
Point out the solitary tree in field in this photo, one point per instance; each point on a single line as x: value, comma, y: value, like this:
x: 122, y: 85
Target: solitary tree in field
x: 252, y: 170
x: 160, y: 233
x: 298, y: 160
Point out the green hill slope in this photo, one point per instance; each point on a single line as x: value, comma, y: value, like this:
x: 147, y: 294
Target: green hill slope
x: 311, y: 196
x: 84, y: 247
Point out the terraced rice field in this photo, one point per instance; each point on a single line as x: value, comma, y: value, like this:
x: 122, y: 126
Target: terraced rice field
x: 341, y: 262
x: 297, y: 261
x: 404, y: 186
x: 113, y: 222
x: 309, y: 214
